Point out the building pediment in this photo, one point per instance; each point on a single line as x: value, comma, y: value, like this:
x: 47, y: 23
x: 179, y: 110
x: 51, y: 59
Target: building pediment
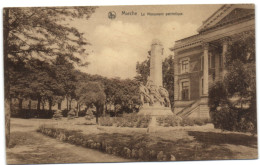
x: 227, y: 14
x: 223, y: 23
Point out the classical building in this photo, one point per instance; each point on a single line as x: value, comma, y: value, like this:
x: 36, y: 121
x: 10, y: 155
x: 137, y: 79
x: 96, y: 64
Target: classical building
x: 199, y: 59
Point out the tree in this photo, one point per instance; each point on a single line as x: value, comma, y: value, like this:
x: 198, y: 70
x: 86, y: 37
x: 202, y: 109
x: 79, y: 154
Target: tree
x: 89, y: 93
x: 33, y: 80
x: 168, y: 77
x: 41, y: 33
x: 233, y: 101
x: 143, y: 70
x: 43, y: 82
x: 19, y: 81
x: 122, y: 94
x: 66, y: 77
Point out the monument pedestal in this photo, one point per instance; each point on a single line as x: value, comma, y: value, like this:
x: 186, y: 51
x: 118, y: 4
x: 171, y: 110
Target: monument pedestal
x: 156, y: 110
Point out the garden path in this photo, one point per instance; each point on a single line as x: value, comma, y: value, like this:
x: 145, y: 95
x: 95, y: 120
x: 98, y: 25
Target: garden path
x: 31, y: 147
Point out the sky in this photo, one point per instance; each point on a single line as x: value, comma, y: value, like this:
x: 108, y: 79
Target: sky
x: 117, y: 44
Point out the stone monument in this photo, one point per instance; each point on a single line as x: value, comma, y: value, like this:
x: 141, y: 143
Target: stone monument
x: 154, y: 98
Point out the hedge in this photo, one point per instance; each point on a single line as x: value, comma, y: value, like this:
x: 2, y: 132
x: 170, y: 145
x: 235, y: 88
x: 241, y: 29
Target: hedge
x: 173, y: 120
x: 127, y: 120
x: 127, y: 146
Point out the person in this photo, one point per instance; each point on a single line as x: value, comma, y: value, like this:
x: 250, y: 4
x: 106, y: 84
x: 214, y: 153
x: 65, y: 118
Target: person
x: 165, y: 95
x: 155, y: 93
x: 144, y: 94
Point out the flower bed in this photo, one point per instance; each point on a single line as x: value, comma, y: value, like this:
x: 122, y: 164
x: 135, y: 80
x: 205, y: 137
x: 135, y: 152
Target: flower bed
x: 128, y: 120
x: 172, y: 121
x: 140, y: 146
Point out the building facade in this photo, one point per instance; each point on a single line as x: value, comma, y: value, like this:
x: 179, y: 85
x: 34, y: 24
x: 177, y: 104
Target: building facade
x: 199, y: 59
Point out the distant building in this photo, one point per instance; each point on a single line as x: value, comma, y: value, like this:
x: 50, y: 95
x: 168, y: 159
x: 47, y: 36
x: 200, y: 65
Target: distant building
x: 199, y: 61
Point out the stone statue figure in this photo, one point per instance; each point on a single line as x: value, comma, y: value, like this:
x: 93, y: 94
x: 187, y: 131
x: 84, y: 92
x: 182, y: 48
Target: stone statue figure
x: 154, y: 92
x: 149, y: 83
x: 144, y: 94
x: 165, y: 95
x: 151, y: 94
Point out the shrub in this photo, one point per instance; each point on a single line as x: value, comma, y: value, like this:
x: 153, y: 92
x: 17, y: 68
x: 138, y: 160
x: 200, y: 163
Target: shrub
x: 187, y: 122
x: 127, y: 120
x: 71, y: 114
x: 106, y: 121
x: 234, y: 119
x: 227, y: 116
x: 201, y: 122
x: 64, y: 112
x: 57, y: 114
x: 82, y: 113
x: 168, y: 121
x: 89, y: 115
x: 32, y: 113
x: 174, y: 120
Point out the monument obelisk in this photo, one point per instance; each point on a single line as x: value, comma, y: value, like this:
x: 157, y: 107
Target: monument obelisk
x: 156, y: 63
x: 155, y: 98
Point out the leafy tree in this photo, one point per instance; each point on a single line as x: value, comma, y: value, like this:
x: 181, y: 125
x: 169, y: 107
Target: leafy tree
x: 168, y: 77
x: 143, y: 70
x: 40, y: 33
x: 92, y: 93
x: 66, y: 78
x: 20, y: 86
x: 233, y: 101
x: 33, y: 80
x: 45, y: 84
x: 122, y: 94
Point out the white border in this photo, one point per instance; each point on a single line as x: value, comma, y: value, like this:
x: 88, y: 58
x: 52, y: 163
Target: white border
x: 30, y: 3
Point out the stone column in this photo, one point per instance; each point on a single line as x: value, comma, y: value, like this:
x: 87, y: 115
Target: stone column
x: 217, y: 67
x: 224, y: 52
x: 205, y: 69
x: 156, y: 63
x: 176, y: 85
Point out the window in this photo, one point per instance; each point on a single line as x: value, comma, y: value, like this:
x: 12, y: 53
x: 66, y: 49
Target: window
x: 185, y: 90
x: 185, y: 66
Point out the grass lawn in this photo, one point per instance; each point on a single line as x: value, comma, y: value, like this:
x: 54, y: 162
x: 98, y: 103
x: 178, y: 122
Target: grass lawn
x: 186, y: 143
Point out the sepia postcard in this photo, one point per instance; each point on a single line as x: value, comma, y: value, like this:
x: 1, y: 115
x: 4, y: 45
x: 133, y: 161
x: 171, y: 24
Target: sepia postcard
x: 137, y: 83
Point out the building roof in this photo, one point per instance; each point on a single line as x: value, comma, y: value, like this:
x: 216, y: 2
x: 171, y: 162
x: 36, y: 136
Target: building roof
x: 222, y: 12
x: 226, y: 14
